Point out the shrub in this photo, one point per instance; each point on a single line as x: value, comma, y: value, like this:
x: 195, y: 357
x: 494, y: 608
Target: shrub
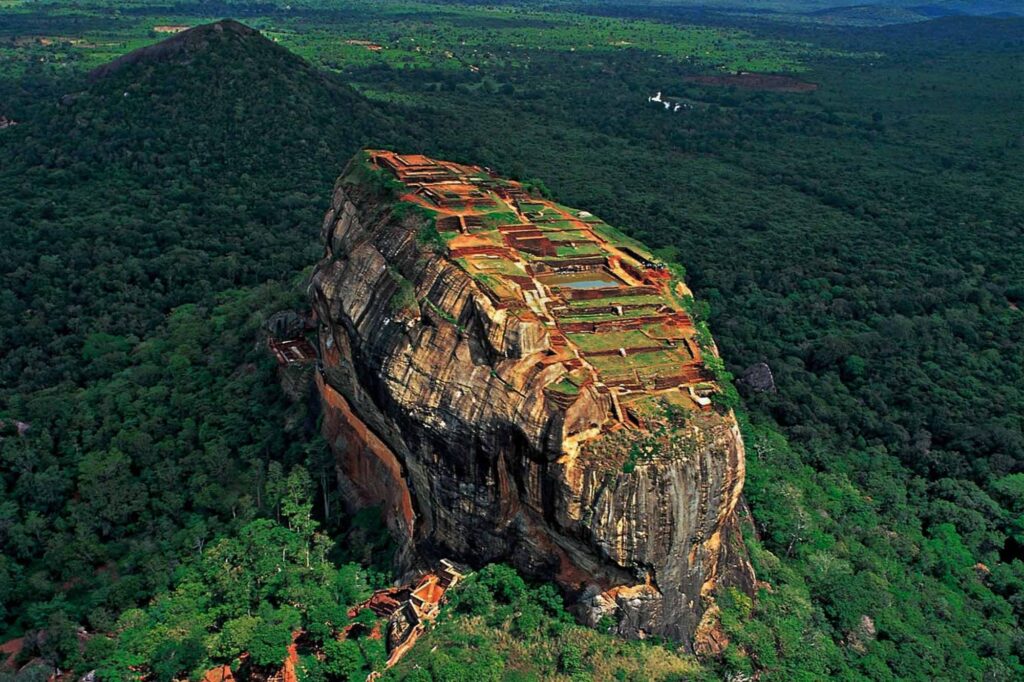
x: 503, y: 582
x: 268, y: 645
x: 404, y: 297
x: 428, y: 235
x: 343, y: 660
x: 570, y: 658
x: 475, y: 599
x: 528, y: 621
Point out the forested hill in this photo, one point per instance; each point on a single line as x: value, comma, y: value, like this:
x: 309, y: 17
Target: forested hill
x: 188, y: 167
x: 197, y: 41
x: 142, y: 215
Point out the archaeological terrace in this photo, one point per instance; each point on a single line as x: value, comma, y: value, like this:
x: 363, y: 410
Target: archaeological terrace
x: 613, y: 311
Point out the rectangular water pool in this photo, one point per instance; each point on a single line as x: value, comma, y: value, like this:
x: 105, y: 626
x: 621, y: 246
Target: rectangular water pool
x: 593, y: 279
x: 591, y: 284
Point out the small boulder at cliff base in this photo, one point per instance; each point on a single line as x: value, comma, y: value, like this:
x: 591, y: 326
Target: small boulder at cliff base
x: 758, y: 378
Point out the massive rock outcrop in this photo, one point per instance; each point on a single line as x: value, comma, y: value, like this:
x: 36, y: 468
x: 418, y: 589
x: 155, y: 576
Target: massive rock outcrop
x: 512, y: 380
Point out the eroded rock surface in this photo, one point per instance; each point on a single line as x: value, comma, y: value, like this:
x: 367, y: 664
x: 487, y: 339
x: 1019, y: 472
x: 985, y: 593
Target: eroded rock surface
x: 496, y: 413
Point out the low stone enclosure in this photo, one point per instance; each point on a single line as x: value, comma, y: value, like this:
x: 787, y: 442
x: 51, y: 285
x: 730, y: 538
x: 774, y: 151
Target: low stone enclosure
x: 409, y: 608
x: 612, y: 312
x: 292, y: 351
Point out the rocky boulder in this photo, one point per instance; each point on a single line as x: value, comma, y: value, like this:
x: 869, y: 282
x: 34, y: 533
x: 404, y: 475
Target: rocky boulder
x: 438, y: 405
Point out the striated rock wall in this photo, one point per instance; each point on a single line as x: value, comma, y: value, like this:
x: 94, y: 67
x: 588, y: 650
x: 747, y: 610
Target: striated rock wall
x: 435, y: 406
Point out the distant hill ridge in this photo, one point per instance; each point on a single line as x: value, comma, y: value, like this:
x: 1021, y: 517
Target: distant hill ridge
x: 894, y: 13
x: 229, y: 140
x: 182, y: 46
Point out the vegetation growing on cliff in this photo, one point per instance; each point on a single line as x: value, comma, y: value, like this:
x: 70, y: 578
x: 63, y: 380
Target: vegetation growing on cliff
x: 404, y: 298
x: 428, y: 235
x: 376, y: 180
x: 498, y: 627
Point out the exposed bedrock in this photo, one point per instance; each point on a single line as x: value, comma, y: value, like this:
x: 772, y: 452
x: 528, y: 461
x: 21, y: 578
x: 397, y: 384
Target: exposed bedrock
x: 434, y: 404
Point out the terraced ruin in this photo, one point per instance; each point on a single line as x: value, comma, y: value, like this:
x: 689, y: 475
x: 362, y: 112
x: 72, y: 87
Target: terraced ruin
x: 614, y: 312
x: 510, y: 379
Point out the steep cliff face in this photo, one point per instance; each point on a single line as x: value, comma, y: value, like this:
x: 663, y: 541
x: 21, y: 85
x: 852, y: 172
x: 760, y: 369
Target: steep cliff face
x: 511, y: 380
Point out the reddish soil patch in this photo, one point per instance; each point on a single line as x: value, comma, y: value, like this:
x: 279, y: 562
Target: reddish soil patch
x: 219, y: 674
x: 757, y: 81
x: 9, y: 653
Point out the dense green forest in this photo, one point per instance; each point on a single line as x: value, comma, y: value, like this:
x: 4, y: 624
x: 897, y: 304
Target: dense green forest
x: 862, y: 239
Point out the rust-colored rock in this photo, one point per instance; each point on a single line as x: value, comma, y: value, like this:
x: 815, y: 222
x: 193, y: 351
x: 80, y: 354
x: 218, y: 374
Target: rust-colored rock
x: 710, y: 638
x: 459, y: 398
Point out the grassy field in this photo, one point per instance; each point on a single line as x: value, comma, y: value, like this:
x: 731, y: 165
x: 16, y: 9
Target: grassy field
x: 647, y: 363
x: 645, y: 299
x: 632, y: 338
x: 410, y: 35
x: 579, y: 249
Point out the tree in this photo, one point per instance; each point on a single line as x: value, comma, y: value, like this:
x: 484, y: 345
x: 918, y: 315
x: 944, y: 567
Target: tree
x: 268, y: 646
x: 475, y: 599
x: 297, y: 507
x: 570, y: 658
x: 1009, y: 490
x: 528, y: 621
x: 502, y: 581
x: 344, y: 660
x: 174, y: 658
